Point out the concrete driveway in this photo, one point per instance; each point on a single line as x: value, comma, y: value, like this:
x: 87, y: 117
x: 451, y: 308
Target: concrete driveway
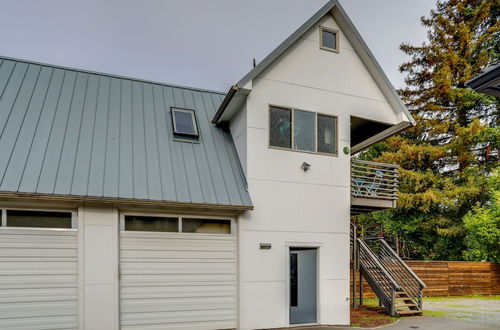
x: 418, y: 322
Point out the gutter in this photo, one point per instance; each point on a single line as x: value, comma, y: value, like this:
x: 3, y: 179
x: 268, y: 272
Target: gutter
x: 225, y: 103
x: 17, y: 196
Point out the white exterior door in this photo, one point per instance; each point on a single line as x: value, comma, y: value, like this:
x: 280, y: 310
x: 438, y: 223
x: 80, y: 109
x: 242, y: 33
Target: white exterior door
x: 38, y: 275
x: 177, y: 280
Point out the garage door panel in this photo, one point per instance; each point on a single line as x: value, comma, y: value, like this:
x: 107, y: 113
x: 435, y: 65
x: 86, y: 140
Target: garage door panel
x: 177, y: 304
x: 177, y: 268
x: 177, y: 318
x: 30, y: 309
x: 16, y: 295
x: 201, y: 325
x: 179, y: 290
x: 152, y: 254
x: 37, y: 252
x: 41, y: 322
x: 38, y: 279
x: 177, y: 281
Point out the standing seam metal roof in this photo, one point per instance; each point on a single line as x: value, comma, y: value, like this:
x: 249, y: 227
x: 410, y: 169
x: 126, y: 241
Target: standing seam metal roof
x: 76, y: 133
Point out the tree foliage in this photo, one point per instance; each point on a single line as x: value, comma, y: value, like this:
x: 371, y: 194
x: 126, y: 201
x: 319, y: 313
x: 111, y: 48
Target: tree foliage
x: 483, y: 227
x: 447, y: 156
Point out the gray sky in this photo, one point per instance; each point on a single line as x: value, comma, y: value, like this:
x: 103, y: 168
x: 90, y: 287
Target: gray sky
x: 200, y: 43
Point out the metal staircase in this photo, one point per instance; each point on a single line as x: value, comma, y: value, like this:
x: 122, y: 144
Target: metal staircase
x: 397, y: 287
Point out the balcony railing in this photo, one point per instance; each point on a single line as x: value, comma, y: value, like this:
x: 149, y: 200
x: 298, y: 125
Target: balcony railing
x: 373, y: 184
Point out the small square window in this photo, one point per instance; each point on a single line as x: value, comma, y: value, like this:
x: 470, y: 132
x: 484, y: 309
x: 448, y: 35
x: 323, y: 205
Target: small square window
x: 184, y: 121
x: 329, y: 39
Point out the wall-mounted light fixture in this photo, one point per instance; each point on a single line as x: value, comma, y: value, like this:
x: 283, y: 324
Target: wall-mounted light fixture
x: 305, y: 166
x: 265, y: 246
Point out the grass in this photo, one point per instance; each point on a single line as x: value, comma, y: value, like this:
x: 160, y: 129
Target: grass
x: 461, y: 297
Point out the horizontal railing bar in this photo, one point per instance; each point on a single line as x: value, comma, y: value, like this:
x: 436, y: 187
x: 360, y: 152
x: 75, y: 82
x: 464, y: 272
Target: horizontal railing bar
x: 403, y: 263
x: 372, y: 188
x: 385, y: 179
x: 375, y: 195
x: 374, y: 169
x: 374, y: 163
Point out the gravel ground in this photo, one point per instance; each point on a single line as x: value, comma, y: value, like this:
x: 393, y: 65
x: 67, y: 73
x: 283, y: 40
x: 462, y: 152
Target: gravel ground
x: 482, y: 311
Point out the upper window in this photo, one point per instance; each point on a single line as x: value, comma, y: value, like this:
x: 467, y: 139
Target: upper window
x: 184, y: 121
x: 302, y: 130
x: 38, y: 219
x: 329, y: 39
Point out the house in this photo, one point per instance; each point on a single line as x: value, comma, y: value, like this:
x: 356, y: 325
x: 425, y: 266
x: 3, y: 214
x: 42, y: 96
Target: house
x: 488, y: 82
x: 129, y: 204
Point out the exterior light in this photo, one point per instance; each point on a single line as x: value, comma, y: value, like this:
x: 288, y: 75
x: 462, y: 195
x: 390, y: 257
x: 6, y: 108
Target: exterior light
x: 265, y: 246
x: 305, y: 166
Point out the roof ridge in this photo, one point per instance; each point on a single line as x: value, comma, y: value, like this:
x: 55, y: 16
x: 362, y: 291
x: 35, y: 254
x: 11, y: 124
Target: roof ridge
x: 111, y: 75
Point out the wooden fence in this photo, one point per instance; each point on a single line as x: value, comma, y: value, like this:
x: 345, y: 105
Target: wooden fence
x: 451, y: 278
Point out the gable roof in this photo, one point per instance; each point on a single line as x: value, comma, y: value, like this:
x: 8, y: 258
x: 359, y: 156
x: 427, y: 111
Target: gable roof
x: 67, y: 132
x: 333, y: 7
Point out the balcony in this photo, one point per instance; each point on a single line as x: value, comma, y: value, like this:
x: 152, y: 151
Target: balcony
x: 374, y: 186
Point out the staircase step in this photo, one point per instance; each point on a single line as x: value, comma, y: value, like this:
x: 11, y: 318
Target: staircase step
x: 412, y: 312
x: 406, y: 305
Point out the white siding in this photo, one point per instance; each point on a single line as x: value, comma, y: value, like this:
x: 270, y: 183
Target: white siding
x: 177, y: 281
x: 38, y: 279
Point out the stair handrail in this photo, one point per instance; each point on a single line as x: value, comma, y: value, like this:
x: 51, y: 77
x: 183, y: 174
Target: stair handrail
x: 398, y: 258
x: 380, y: 266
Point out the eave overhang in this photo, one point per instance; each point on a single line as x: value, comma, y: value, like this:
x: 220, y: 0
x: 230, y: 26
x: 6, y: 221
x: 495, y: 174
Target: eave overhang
x: 380, y: 136
x: 487, y: 82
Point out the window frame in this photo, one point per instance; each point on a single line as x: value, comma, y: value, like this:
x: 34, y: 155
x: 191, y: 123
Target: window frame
x: 4, y: 222
x: 180, y: 135
x: 337, y: 35
x: 316, y: 113
x: 179, y: 227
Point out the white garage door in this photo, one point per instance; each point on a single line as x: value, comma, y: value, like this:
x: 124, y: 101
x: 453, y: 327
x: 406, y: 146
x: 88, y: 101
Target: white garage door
x: 38, y: 270
x: 177, y: 273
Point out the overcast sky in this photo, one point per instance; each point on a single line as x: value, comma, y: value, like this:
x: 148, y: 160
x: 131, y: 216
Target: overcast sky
x: 200, y: 43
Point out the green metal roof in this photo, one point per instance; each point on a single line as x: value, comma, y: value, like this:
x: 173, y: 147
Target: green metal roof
x: 70, y: 132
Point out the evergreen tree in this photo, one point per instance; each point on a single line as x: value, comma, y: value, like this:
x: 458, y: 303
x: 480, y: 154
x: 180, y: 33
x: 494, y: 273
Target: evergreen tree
x: 446, y: 158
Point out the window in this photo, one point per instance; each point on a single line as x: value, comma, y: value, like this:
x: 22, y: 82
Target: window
x: 311, y: 131
x: 327, y: 135
x: 141, y: 223
x: 38, y: 219
x: 184, y: 121
x: 206, y: 226
x: 329, y: 39
x: 174, y: 224
x: 281, y: 127
x: 303, y: 130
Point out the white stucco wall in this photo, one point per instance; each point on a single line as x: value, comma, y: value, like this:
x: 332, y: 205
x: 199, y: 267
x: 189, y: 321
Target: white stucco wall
x: 293, y: 208
x: 99, y: 302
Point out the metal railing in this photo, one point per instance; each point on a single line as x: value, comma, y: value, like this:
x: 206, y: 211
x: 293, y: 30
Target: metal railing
x: 408, y: 281
x: 374, y: 180
x: 378, y: 277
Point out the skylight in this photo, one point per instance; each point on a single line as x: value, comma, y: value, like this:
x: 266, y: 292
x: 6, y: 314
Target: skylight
x: 184, y: 121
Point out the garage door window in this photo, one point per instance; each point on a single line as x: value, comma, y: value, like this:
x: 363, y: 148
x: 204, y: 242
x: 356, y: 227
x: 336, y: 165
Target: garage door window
x: 38, y: 219
x: 141, y: 223
x: 174, y: 224
x: 206, y: 226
